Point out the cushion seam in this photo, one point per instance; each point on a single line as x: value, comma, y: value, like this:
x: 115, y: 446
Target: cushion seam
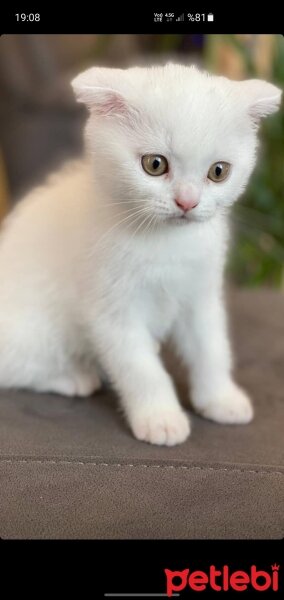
x: 132, y: 465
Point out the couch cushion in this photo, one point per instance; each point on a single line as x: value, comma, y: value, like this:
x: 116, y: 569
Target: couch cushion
x: 70, y: 468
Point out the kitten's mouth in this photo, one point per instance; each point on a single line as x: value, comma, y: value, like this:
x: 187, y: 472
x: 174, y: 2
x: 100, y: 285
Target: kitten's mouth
x: 182, y: 219
x: 179, y: 219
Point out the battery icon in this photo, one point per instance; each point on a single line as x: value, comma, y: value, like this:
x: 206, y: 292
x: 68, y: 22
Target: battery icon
x: 210, y: 17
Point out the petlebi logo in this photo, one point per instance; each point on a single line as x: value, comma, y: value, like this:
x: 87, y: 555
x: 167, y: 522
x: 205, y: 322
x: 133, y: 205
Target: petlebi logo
x: 222, y: 579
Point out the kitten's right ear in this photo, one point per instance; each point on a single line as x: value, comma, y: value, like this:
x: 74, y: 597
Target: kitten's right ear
x: 261, y: 98
x: 98, y: 88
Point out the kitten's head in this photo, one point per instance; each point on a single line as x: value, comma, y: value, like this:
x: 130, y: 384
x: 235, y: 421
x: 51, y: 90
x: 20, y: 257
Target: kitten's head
x: 172, y: 143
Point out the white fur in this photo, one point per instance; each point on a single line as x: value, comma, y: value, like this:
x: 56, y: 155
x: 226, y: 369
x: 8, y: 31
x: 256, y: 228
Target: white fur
x: 94, y: 269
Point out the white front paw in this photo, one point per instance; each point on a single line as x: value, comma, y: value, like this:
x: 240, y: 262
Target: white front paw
x: 163, y: 427
x: 231, y: 406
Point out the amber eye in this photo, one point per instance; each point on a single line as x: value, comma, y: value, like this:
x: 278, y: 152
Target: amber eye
x: 154, y: 164
x: 219, y: 171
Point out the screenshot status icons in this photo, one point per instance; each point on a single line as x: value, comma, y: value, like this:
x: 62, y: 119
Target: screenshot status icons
x: 183, y: 17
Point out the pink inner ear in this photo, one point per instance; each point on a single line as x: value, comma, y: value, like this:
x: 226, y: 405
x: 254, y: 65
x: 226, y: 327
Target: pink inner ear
x: 110, y: 103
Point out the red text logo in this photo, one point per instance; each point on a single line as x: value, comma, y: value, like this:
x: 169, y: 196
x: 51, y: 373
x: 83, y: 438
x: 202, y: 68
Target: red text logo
x: 222, y: 579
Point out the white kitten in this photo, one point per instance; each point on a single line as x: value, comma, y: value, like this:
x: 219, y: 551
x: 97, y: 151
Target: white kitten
x: 127, y: 247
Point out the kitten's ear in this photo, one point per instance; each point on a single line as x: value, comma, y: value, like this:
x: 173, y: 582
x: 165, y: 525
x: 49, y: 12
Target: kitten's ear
x: 99, y: 89
x: 261, y: 98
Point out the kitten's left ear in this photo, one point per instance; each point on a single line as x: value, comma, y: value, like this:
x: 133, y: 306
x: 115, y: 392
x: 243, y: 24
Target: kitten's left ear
x: 261, y: 98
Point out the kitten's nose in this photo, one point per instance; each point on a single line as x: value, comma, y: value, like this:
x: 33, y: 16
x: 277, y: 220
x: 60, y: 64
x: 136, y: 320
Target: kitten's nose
x: 186, y: 204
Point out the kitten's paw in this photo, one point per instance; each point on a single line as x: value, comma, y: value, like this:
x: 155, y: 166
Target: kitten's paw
x: 86, y: 384
x: 233, y: 407
x: 78, y: 384
x: 168, y: 427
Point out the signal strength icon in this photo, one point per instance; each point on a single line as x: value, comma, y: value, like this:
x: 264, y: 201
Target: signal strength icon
x: 180, y: 18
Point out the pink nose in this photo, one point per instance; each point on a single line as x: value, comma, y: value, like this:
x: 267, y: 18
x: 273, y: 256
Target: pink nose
x: 185, y: 205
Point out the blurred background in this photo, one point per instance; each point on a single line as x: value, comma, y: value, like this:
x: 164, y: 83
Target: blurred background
x: 41, y: 125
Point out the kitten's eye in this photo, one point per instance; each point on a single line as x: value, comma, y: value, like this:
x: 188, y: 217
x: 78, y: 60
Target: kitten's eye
x: 154, y: 164
x: 219, y: 171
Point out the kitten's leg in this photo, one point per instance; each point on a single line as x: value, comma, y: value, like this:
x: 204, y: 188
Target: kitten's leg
x: 129, y: 356
x: 72, y: 382
x: 202, y: 340
x: 35, y: 359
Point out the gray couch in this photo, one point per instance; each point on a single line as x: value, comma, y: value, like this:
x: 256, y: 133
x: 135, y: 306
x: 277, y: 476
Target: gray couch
x: 70, y: 468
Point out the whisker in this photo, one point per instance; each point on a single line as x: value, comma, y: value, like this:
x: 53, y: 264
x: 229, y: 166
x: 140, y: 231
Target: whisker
x: 148, y: 228
x: 128, y: 210
x: 139, y: 227
x: 135, y: 215
x: 123, y: 202
x: 148, y: 214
